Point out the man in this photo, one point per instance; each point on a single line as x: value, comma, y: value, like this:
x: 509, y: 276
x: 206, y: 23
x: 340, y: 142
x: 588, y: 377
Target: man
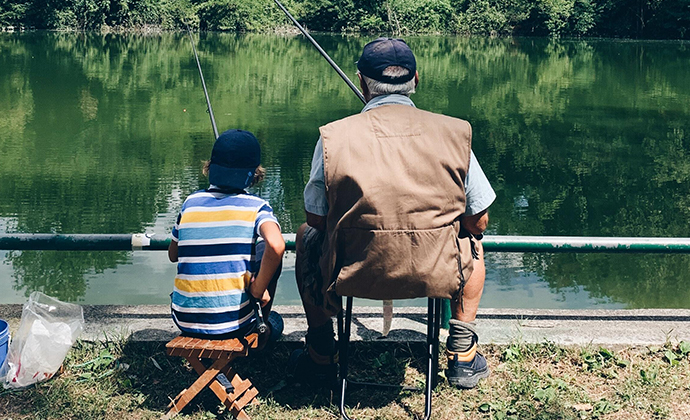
x: 388, y: 191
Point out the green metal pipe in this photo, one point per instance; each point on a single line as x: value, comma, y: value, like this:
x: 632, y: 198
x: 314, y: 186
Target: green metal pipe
x: 93, y: 242
x: 585, y: 244
x: 542, y: 244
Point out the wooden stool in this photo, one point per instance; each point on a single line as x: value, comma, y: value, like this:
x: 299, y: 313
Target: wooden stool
x: 222, y: 352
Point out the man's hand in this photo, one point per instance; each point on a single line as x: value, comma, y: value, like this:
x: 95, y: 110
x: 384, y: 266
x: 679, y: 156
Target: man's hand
x: 477, y: 223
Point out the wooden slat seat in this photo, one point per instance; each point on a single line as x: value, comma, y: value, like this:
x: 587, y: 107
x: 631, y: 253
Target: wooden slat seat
x: 221, y: 352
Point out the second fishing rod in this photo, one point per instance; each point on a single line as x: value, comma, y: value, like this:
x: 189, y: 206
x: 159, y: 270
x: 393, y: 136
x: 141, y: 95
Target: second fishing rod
x: 261, y: 326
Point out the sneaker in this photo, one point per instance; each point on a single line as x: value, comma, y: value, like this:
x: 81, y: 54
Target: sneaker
x: 303, y: 369
x: 275, y: 330
x: 466, y: 374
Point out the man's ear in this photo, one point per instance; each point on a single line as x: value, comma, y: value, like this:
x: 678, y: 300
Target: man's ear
x: 363, y: 86
x: 416, y: 78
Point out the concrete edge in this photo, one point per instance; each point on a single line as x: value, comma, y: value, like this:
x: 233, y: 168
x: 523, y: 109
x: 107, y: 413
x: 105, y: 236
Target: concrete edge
x: 499, y: 326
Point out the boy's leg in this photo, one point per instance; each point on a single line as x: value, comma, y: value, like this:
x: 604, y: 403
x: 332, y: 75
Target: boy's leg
x: 465, y: 365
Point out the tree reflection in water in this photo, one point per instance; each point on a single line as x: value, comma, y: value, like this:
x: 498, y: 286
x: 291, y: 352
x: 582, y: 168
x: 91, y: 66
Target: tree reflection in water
x: 105, y: 134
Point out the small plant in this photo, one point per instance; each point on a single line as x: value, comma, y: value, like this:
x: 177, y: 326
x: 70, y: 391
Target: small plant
x: 603, y: 407
x: 649, y: 376
x: 384, y: 359
x: 674, y: 356
x: 603, y: 361
x: 512, y: 353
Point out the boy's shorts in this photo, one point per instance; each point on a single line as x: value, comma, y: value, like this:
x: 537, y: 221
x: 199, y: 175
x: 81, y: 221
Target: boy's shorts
x: 314, y: 289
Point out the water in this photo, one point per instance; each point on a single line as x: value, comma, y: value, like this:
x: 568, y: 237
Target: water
x: 106, y: 134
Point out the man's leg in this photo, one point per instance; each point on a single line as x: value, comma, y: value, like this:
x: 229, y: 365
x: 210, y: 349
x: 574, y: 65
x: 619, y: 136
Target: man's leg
x: 316, y: 362
x: 316, y: 315
x: 472, y: 293
x: 465, y: 366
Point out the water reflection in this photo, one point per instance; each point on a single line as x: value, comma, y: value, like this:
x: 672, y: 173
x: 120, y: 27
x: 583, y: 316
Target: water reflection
x: 105, y: 134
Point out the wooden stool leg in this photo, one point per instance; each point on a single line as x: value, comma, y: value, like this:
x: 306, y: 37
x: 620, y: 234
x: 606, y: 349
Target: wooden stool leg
x: 205, y: 377
x: 236, y: 401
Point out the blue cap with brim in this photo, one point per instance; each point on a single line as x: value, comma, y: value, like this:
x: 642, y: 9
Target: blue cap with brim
x: 382, y: 53
x: 236, y: 155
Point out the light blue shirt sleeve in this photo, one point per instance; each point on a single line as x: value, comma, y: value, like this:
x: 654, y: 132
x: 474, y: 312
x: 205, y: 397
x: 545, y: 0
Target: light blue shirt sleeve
x: 315, y: 201
x: 478, y: 191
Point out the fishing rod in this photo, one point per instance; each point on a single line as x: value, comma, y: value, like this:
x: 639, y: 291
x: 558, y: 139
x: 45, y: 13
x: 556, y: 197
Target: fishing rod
x: 260, y: 323
x: 387, y: 304
x: 323, y: 53
x: 203, y: 83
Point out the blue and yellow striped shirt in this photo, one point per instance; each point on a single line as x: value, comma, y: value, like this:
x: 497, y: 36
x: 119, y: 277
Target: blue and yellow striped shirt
x: 216, y: 235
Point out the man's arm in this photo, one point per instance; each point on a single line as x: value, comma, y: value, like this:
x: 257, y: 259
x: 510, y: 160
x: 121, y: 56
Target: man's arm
x: 476, y: 224
x: 315, y: 201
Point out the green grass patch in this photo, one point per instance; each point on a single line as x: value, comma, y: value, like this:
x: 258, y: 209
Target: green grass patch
x: 136, y: 380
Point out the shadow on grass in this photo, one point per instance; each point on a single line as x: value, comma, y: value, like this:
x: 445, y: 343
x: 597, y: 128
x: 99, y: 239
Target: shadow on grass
x: 159, y: 378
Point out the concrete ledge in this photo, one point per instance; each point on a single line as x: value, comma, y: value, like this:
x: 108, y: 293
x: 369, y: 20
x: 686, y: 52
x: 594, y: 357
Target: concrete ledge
x: 499, y: 326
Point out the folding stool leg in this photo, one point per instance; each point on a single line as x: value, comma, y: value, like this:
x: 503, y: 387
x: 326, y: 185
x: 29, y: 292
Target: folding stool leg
x: 243, y: 393
x: 205, y: 377
x: 343, y: 343
x: 433, y: 333
x: 438, y: 304
x: 432, y: 340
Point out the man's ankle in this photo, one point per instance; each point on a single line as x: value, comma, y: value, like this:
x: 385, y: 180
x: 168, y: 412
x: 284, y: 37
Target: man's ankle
x: 464, y: 356
x: 322, y: 359
x: 462, y: 336
x: 321, y: 341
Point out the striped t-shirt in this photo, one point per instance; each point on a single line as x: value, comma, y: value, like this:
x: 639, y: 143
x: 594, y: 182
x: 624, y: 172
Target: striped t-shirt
x: 216, y: 235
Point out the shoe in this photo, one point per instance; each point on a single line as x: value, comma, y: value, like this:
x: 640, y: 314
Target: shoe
x: 275, y: 331
x: 466, y: 375
x: 303, y: 369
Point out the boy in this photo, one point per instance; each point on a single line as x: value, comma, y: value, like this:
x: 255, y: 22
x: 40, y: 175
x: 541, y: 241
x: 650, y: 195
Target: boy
x: 216, y: 245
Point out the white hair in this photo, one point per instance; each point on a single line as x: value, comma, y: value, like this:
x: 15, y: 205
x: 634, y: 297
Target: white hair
x: 377, y: 88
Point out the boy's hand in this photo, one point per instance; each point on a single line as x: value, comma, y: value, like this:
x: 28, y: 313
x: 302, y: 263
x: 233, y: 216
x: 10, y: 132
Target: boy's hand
x: 264, y: 298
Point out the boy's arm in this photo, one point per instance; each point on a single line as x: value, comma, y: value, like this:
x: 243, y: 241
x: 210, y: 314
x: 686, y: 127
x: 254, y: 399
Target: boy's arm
x: 273, y: 256
x: 172, y: 251
x: 172, y: 248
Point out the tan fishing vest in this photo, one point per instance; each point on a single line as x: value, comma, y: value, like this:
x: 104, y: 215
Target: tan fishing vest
x: 395, y: 185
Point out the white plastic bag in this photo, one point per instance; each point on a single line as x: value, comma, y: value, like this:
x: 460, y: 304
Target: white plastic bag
x: 47, y: 330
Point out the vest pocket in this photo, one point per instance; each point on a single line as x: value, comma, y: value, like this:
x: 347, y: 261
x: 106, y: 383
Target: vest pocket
x: 398, y: 264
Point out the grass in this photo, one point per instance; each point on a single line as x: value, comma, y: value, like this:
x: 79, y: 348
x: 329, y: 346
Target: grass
x: 135, y: 380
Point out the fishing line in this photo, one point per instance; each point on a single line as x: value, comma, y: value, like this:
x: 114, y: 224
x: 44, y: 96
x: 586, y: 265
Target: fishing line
x: 203, y: 83
x: 323, y: 53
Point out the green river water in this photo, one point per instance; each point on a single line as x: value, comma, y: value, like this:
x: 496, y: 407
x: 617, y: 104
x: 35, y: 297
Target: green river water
x: 106, y: 134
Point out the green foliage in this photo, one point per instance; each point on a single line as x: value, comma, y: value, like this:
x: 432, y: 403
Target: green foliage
x: 482, y: 17
x: 420, y: 16
x: 630, y: 18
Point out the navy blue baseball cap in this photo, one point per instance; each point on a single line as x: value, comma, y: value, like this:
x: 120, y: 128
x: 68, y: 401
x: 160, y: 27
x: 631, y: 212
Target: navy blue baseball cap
x: 385, y: 52
x: 236, y: 155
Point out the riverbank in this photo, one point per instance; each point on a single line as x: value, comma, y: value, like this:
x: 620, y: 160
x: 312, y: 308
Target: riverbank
x: 600, y: 18
x: 118, y: 379
x: 547, y: 364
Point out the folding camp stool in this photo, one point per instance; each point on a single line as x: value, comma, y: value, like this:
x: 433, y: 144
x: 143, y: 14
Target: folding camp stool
x: 432, y: 341
x: 236, y: 393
